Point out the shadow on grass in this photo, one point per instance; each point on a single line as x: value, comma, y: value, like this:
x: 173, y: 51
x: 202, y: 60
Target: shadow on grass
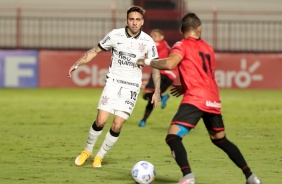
x: 113, y: 175
x: 165, y: 180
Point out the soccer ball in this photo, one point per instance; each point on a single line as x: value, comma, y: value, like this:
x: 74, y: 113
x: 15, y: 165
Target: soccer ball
x: 143, y: 172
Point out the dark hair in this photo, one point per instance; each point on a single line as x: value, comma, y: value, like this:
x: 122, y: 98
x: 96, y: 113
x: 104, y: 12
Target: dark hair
x: 158, y: 31
x: 136, y: 9
x: 190, y: 22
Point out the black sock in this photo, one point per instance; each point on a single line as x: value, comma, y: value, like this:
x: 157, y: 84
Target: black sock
x: 94, y: 126
x: 179, y: 153
x: 114, y: 134
x: 234, y: 154
x: 148, y: 110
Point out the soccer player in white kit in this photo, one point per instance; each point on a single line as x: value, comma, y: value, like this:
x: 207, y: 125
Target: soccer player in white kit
x: 123, y: 81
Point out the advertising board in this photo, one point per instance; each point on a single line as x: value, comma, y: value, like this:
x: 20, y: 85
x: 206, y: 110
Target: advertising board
x: 18, y: 68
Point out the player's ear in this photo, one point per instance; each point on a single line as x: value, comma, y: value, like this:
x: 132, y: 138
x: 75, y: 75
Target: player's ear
x: 180, y: 30
x: 199, y: 28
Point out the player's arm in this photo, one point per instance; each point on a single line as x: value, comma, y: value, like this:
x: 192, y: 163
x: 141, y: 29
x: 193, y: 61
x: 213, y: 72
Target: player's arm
x: 163, y: 64
x: 157, y: 81
x: 88, y: 56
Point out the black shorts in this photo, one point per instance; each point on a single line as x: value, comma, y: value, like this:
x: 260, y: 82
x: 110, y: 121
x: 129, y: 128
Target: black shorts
x: 165, y: 83
x: 189, y: 115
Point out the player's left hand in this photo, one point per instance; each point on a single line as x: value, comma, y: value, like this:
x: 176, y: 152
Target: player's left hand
x: 140, y: 63
x: 155, y: 99
x: 177, y: 90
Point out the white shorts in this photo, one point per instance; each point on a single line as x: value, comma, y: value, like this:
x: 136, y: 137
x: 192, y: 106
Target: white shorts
x: 116, y: 99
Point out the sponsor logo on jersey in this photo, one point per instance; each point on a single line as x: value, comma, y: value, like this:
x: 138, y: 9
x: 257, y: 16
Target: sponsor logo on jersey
x: 118, y: 34
x: 126, y: 63
x: 127, y: 54
x: 106, y: 39
x: 153, y: 51
x: 125, y: 59
x: 213, y: 104
x: 129, y: 103
x: 128, y: 83
x: 144, y: 39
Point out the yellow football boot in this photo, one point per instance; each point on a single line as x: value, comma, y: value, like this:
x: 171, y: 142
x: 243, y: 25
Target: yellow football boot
x: 97, y: 162
x: 80, y: 159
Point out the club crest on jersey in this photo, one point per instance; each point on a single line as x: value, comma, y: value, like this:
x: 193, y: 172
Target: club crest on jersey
x: 104, y: 100
x: 142, y: 47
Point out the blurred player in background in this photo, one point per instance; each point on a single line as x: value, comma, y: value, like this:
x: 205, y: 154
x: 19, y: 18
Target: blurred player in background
x: 167, y: 76
x: 123, y: 82
x: 196, y: 64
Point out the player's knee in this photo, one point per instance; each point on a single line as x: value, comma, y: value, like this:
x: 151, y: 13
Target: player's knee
x: 219, y: 141
x: 97, y: 127
x: 144, y: 96
x: 114, y: 133
x: 216, y: 134
x: 172, y: 138
x: 182, y: 131
x: 148, y: 96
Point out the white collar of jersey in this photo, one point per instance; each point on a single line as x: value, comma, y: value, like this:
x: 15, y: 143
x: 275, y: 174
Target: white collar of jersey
x: 128, y: 35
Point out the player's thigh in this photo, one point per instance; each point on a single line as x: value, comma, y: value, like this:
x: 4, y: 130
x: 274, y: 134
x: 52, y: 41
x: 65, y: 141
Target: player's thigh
x: 119, y: 120
x: 150, y: 86
x: 102, y: 117
x: 187, y: 115
x: 214, y: 124
x: 165, y: 83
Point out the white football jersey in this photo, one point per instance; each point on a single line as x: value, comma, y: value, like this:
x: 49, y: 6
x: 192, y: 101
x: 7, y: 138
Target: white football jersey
x: 126, y: 50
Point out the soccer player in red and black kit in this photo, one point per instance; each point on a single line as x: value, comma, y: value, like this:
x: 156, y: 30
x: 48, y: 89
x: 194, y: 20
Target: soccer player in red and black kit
x: 196, y: 64
x: 167, y: 76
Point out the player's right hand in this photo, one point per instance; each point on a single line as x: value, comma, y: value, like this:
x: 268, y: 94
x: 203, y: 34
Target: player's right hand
x: 177, y: 90
x: 140, y: 63
x: 72, y: 68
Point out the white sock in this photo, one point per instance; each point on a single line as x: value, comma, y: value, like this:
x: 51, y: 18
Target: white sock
x: 107, y: 145
x: 92, y: 138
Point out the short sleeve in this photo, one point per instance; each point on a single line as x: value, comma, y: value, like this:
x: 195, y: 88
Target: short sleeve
x: 152, y: 50
x: 178, y: 48
x: 106, y: 43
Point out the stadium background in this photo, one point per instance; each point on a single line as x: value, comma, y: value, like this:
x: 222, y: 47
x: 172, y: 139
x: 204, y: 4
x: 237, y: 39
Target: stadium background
x: 40, y: 40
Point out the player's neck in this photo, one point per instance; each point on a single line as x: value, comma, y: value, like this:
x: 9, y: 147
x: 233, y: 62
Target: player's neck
x: 132, y: 34
x: 192, y: 34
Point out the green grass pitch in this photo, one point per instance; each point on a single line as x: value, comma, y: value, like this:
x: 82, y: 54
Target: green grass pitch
x: 43, y: 130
